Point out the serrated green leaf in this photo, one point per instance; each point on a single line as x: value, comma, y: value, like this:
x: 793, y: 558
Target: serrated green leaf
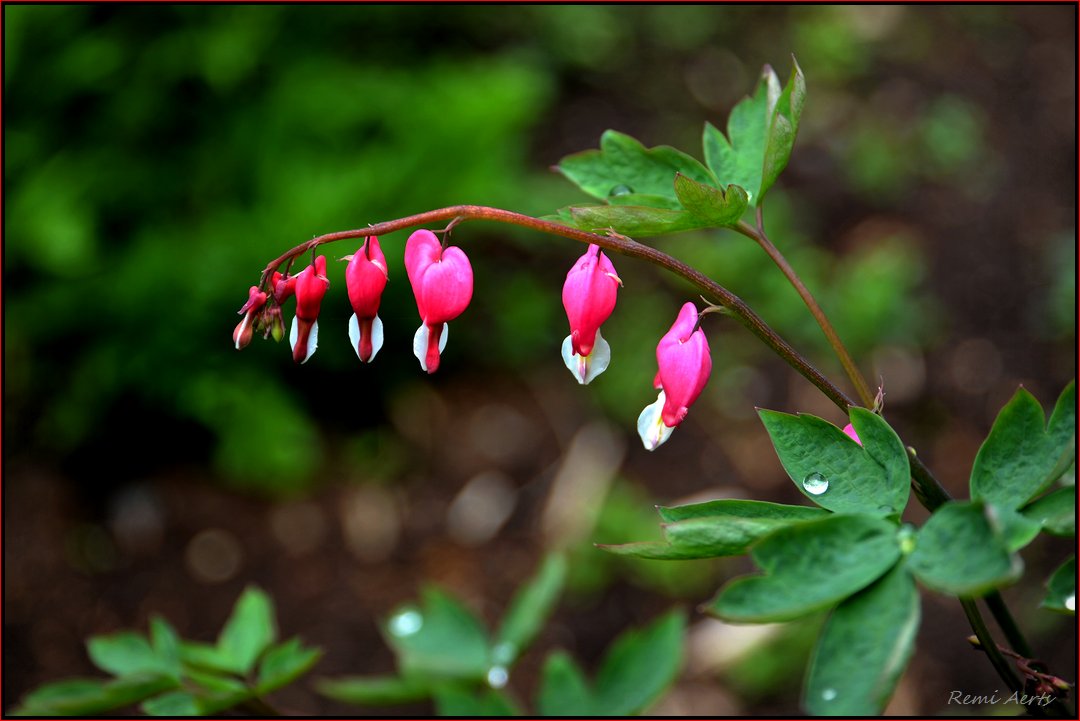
x: 648, y: 201
x: 1021, y: 456
x: 864, y: 648
x: 960, y: 552
x: 713, y: 206
x: 84, y: 697
x: 249, y: 631
x: 283, y: 664
x: 529, y: 609
x: 564, y: 690
x: 809, y: 566
x: 173, y: 703
x: 124, y: 653
x: 640, y: 665
x: 870, y: 479
x: 1055, y: 512
x: 784, y: 126
x: 623, y: 165
x: 1061, y: 589
x: 449, y: 642
x: 374, y: 690
x: 632, y: 220
x: 453, y: 700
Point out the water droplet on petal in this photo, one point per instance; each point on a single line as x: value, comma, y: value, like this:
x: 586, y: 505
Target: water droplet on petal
x: 620, y: 190
x: 828, y: 694
x: 815, y: 484
x: 406, y: 623
x: 1070, y: 602
x: 497, y: 676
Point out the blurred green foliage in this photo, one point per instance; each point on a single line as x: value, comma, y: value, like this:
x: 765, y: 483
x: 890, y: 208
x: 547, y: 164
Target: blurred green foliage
x: 158, y: 156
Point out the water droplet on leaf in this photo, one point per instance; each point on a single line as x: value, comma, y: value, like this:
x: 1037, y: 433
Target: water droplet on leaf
x: 815, y: 483
x: 497, y: 677
x: 406, y: 623
x: 1070, y: 602
x: 620, y: 190
x: 828, y: 694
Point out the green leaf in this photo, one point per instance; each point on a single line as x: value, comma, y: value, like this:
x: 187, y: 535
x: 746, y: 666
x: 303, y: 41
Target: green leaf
x: 284, y: 664
x: 1021, y: 457
x: 783, y: 127
x: 809, y: 566
x: 871, y: 479
x: 564, y: 691
x: 1061, y: 589
x: 173, y: 703
x: 453, y: 700
x: 124, y: 653
x: 83, y: 697
x: 631, y: 220
x: 640, y: 665
x: 1016, y: 529
x: 625, y: 166
x: 1055, y: 512
x: 864, y: 648
x: 374, y: 690
x: 204, y: 656
x: 960, y: 552
x: 714, y: 207
x: 166, y: 644
x: 529, y: 609
x: 715, y: 528
x: 249, y: 630
x: 441, y: 639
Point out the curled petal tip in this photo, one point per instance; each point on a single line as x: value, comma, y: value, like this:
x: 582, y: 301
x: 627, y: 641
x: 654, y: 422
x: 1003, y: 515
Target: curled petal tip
x: 651, y: 427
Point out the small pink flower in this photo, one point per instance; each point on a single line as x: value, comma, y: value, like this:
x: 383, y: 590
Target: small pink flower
x: 850, y: 430
x: 251, y: 310
x: 442, y: 281
x: 685, y: 364
x: 365, y: 278
x: 588, y: 296
x: 310, y: 287
x: 284, y: 287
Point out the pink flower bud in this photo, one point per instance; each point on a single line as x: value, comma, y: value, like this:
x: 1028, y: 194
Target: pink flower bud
x: 589, y: 298
x: 850, y: 430
x: 310, y: 287
x: 242, y: 333
x: 365, y: 278
x: 284, y: 287
x: 442, y: 281
x: 685, y: 364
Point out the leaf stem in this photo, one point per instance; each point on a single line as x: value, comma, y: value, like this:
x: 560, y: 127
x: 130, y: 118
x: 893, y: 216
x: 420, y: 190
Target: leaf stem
x: 988, y: 645
x: 612, y: 242
x: 758, y: 235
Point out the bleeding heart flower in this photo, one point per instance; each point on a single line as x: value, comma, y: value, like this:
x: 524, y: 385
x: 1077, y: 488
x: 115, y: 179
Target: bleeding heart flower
x: 251, y: 310
x: 589, y: 297
x: 442, y: 281
x: 365, y: 278
x: 310, y: 287
x: 850, y: 430
x: 284, y: 287
x: 685, y: 364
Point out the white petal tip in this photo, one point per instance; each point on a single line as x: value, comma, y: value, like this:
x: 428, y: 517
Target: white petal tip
x: 651, y: 426
x: 586, y: 368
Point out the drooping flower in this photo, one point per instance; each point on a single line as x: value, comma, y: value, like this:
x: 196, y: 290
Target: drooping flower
x: 365, y: 278
x: 850, y: 430
x: 684, y: 367
x: 284, y: 287
x: 442, y: 281
x: 246, y: 328
x: 588, y: 296
x: 310, y: 285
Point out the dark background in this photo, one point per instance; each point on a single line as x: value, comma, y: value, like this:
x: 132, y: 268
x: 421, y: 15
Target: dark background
x: 156, y: 157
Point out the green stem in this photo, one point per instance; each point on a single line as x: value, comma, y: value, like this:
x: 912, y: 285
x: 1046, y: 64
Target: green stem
x: 612, y: 242
x: 758, y: 235
x: 989, y: 646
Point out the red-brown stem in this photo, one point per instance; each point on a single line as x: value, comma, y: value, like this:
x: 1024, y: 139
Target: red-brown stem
x: 611, y: 242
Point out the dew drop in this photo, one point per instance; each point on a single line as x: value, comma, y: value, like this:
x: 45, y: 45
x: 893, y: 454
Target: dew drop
x: 1070, y: 602
x: 620, y: 190
x: 406, y: 623
x: 497, y: 676
x: 815, y: 484
x: 828, y: 694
